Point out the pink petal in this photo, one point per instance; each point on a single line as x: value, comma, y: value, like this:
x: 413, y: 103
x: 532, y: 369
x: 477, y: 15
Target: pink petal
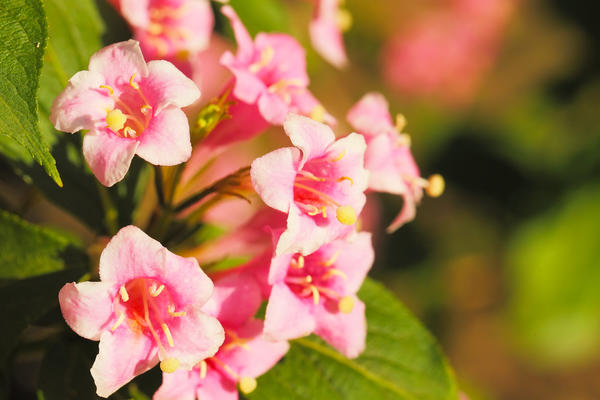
x: 82, y: 104
x: 279, y: 267
x: 407, y: 213
x: 353, y: 148
x: 196, y: 336
x: 326, y: 36
x: 118, y: 62
x: 305, y: 103
x: 242, y: 37
x: 178, y: 385
x: 108, y: 155
x: 272, y: 108
x: 289, y: 58
x: 132, y: 254
x: 354, y: 256
x: 259, y: 354
x: 273, y: 177
x: 310, y: 136
x: 346, y: 332
x: 216, y: 386
x: 236, y: 299
x: 114, y: 367
x: 247, y: 85
x: 385, y: 176
x: 86, y: 307
x: 166, y: 140
x: 287, y: 316
x: 136, y: 12
x: 370, y: 115
x: 165, y: 85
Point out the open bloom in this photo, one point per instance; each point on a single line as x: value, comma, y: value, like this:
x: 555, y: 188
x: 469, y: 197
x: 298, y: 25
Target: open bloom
x: 319, y: 184
x: 129, y: 107
x: 270, y: 80
x: 146, y: 308
x: 244, y: 356
x: 168, y: 28
x: 326, y: 28
x: 388, y: 157
x: 317, y: 293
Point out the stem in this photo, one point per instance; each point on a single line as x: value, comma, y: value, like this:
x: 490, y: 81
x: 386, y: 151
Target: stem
x: 111, y: 215
x: 158, y: 184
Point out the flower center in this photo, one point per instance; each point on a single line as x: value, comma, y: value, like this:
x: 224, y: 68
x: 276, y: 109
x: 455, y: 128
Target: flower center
x: 147, y: 306
x: 317, y: 278
x: 165, y: 28
x: 131, y: 113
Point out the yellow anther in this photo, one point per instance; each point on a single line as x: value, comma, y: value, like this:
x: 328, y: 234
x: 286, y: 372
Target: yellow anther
x: 266, y: 55
x: 203, y: 369
x: 346, y: 304
x: 247, y: 384
x: 404, y: 140
x: 298, y: 263
x: 318, y: 113
x: 155, y: 29
x: 155, y: 292
x: 346, y: 178
x: 400, y: 122
x: 346, y: 215
x: 313, y: 210
x: 132, y: 83
x: 124, y: 294
x: 335, y: 272
x: 308, y: 279
x: 145, y: 108
x: 167, y: 332
x: 169, y: 365
x: 129, y: 132
x: 315, y: 294
x: 115, y: 119
x: 324, y: 211
x: 173, y: 313
x: 435, y: 186
x: 338, y: 158
x: 330, y: 262
x: 182, y: 55
x: 110, y: 90
x: 344, y: 20
x: 118, y: 322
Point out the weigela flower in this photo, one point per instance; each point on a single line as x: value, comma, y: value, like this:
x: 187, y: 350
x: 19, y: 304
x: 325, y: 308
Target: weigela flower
x: 388, y: 157
x: 244, y: 356
x: 129, y: 107
x: 317, y: 293
x: 326, y: 28
x: 145, y: 309
x: 270, y: 80
x: 168, y: 28
x: 319, y: 184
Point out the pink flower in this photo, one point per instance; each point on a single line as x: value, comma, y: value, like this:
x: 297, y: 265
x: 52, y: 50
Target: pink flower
x: 244, y: 356
x: 146, y: 308
x: 317, y: 293
x: 270, y: 80
x: 326, y: 31
x: 129, y: 107
x: 319, y: 184
x: 169, y: 28
x: 388, y: 157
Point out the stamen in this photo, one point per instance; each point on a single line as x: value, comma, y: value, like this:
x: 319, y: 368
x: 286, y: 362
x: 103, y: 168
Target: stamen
x: 315, y: 294
x: 335, y: 272
x: 310, y: 175
x: 330, y: 262
x: 435, y: 185
x: 118, y: 322
x: 167, y: 332
x: 133, y: 84
x: 313, y: 210
x: 400, y: 122
x: 247, y: 384
x: 169, y: 365
x: 173, y: 313
x: 346, y: 215
x: 155, y: 292
x: 346, y: 178
x: 346, y: 304
x: 338, y: 158
x: 145, y: 108
x: 115, y: 120
x: 110, y: 90
x: 404, y: 140
x: 266, y: 55
x: 203, y: 369
x: 129, y: 132
x: 308, y: 278
x: 124, y: 294
x: 344, y: 20
x: 298, y: 263
x: 318, y: 113
x: 322, y: 196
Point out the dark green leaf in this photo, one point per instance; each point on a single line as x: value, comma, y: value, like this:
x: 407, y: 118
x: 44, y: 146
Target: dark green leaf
x: 261, y: 15
x: 27, y: 250
x: 22, y: 42
x: 401, y: 361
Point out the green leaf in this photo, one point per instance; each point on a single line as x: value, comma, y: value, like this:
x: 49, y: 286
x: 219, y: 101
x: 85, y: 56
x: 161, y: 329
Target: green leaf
x: 401, y: 361
x: 27, y: 250
x: 554, y: 273
x: 22, y: 42
x: 261, y: 15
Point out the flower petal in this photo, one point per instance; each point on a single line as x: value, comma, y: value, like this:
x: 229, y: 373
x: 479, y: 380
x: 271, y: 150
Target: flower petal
x: 216, y: 386
x: 287, y: 316
x: 346, y: 332
x: 310, y: 136
x: 108, y: 155
x: 370, y: 115
x: 118, y: 62
x: 114, y: 367
x: 86, y: 307
x: 166, y: 85
x: 178, y: 385
x: 325, y: 34
x: 273, y: 177
x: 272, y: 108
x: 354, y: 257
x: 242, y: 37
x: 166, y: 140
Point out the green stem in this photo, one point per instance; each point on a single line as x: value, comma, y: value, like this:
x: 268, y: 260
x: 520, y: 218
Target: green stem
x: 111, y: 215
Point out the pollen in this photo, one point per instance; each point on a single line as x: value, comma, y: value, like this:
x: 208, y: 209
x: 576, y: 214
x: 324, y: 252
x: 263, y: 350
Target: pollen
x: 155, y: 292
x: 400, y: 122
x: 346, y: 215
x: 115, y: 119
x: 133, y: 83
x: 124, y: 294
x: 118, y: 322
x: 346, y: 178
x: 318, y: 113
x: 344, y: 20
x: 247, y: 384
x: 167, y: 332
x: 436, y: 185
x: 346, y: 304
x: 203, y: 369
x: 169, y: 365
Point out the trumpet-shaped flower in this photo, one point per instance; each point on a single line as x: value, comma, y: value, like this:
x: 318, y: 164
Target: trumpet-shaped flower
x: 317, y: 293
x: 388, y: 157
x: 145, y: 309
x: 326, y: 28
x: 129, y: 107
x: 244, y: 356
x: 270, y: 80
x: 319, y: 184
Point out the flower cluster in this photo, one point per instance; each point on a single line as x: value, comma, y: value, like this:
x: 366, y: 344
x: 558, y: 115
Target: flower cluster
x: 306, y: 255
